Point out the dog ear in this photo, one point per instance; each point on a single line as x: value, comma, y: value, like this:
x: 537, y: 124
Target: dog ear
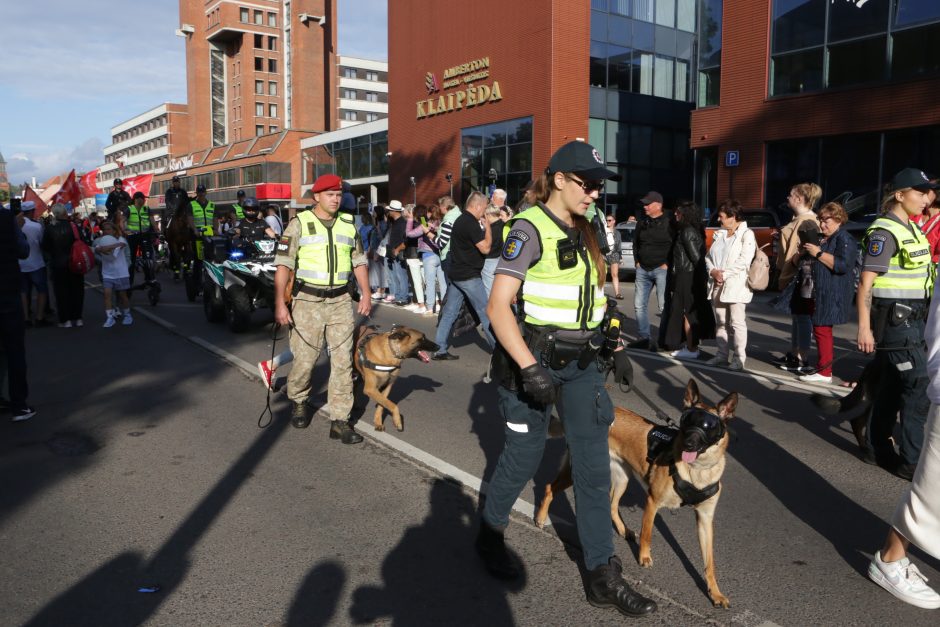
x: 727, y: 406
x: 398, y: 334
x: 691, y: 395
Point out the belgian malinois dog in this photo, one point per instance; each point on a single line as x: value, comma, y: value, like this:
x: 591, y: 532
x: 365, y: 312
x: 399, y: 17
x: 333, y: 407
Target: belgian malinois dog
x: 378, y: 358
x: 677, y: 466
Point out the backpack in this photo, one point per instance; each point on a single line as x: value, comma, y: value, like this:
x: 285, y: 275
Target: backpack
x: 81, y: 258
x: 758, y: 274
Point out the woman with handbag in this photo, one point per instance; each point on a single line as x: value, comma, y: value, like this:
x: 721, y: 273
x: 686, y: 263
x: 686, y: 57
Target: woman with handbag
x: 614, y: 243
x: 69, y: 287
x: 727, y: 263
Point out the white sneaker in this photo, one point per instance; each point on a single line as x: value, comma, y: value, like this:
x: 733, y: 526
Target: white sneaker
x: 109, y: 322
x: 736, y: 365
x: 65, y: 325
x: 128, y: 319
x: 78, y: 323
x: 815, y: 378
x: 717, y: 360
x: 116, y: 312
x: 903, y: 580
x: 684, y: 353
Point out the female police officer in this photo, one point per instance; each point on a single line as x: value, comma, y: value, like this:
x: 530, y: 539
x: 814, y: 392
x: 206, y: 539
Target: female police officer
x: 552, y: 253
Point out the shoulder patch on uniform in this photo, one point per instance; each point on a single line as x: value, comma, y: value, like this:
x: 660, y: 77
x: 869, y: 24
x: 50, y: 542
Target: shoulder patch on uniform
x: 875, y: 246
x: 311, y: 227
x: 878, y: 235
x: 513, y: 245
x: 519, y: 234
x: 283, y: 244
x: 345, y: 217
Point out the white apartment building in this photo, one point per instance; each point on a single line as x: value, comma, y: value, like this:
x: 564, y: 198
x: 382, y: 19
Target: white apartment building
x: 143, y: 144
x: 363, y: 90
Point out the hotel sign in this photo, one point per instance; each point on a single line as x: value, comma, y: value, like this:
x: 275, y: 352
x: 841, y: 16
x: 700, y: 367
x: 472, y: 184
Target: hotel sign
x: 461, y: 79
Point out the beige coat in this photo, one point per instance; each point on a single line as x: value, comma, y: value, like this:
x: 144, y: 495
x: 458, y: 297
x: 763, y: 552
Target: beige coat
x: 789, y: 246
x: 734, y: 260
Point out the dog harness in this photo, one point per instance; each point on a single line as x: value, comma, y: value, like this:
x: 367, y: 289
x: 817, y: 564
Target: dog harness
x: 659, y: 444
x: 365, y: 363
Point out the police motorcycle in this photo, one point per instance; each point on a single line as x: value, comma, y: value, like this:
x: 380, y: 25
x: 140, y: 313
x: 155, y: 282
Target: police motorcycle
x: 238, y: 278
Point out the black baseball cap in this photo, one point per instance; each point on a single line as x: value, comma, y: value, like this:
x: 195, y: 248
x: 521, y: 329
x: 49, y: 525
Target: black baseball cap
x: 118, y: 182
x: 912, y: 178
x: 200, y: 189
x: 240, y: 193
x: 651, y: 197
x: 175, y: 179
x: 138, y: 195
x: 582, y: 159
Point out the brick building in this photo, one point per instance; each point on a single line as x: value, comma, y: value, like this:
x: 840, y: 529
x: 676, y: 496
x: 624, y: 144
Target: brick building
x: 490, y: 104
x: 363, y: 91
x: 837, y: 92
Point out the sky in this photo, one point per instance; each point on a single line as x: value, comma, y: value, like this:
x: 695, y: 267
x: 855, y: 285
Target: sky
x: 72, y: 70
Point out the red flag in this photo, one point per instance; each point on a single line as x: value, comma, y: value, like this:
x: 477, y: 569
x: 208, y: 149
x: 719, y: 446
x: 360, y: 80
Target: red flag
x: 89, y: 184
x: 30, y: 195
x: 139, y: 183
x: 70, y: 192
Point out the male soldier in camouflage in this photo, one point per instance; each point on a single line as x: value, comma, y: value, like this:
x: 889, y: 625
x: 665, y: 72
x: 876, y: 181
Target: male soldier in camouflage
x: 323, y: 247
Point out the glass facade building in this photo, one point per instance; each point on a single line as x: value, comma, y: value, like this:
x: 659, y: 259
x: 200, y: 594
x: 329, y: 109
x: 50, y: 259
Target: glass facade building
x: 498, y: 154
x: 643, y: 63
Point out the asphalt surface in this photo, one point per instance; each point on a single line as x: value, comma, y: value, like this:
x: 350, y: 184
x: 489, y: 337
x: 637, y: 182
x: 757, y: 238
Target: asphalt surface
x: 145, y: 468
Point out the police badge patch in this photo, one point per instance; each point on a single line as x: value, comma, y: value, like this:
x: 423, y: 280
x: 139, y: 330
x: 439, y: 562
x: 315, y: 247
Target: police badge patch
x: 875, y: 247
x: 284, y: 244
x: 512, y: 248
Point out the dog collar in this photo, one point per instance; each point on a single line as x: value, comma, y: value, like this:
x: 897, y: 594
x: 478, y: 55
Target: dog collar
x: 689, y: 494
x: 365, y: 363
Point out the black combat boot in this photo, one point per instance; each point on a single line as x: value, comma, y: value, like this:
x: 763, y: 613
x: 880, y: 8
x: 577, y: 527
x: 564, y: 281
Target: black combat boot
x: 606, y: 588
x: 300, y: 415
x: 341, y: 430
x: 491, y: 546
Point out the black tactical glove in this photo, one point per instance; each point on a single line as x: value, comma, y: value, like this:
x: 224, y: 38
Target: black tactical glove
x: 623, y: 371
x: 537, y: 383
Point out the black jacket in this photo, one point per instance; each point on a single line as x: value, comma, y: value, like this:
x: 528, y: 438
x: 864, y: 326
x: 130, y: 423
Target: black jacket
x: 13, y: 246
x: 57, y: 242
x: 689, y: 251
x: 117, y: 200
x: 652, y: 241
x: 396, y: 235
x: 174, y: 198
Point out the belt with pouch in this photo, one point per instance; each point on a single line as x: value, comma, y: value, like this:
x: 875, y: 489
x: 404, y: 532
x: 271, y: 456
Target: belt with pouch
x: 554, y: 352
x: 324, y: 293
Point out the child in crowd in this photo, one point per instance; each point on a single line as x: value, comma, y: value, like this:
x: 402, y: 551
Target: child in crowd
x: 112, y: 249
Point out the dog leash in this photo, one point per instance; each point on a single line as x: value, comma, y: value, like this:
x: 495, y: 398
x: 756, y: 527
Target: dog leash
x: 267, y: 404
x: 661, y: 415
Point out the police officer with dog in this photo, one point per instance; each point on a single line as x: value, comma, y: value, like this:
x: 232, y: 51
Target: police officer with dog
x: 323, y: 249
x: 893, y: 294
x: 553, y: 259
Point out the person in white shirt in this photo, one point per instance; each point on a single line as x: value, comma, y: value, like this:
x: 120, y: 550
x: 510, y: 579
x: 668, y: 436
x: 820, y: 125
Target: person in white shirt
x: 274, y: 220
x: 33, y: 268
x: 113, y: 252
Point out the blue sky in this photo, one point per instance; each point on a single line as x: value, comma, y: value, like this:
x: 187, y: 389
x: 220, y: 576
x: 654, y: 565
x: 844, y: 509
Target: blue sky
x: 72, y: 70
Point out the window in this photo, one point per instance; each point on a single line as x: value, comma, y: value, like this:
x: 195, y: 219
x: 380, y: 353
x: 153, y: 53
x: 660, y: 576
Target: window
x: 272, y: 88
x: 272, y: 19
x: 643, y: 10
x: 218, y: 96
x: 666, y: 13
x: 204, y: 179
x: 685, y: 15
x: 259, y: 87
x: 372, y: 76
x: 259, y: 18
x: 243, y: 15
x: 251, y: 174
x: 798, y: 24
x: 371, y: 96
x: 259, y: 64
x: 797, y: 72
x: 259, y: 41
x: 272, y: 43
x: 228, y: 178
x: 349, y: 94
x: 848, y: 20
x: 272, y: 66
x: 663, y: 73
x: 272, y: 129
x: 272, y: 110
x: 259, y: 109
x: 349, y: 72
x: 259, y: 130
x: 910, y: 12
x: 350, y: 115
x: 503, y: 146
x: 372, y: 117
x: 915, y: 52
x: 709, y: 86
x: 859, y: 61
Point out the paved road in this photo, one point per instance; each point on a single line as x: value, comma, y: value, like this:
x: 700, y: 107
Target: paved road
x: 145, y: 467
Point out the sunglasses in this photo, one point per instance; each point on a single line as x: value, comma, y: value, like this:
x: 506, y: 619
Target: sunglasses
x: 586, y: 186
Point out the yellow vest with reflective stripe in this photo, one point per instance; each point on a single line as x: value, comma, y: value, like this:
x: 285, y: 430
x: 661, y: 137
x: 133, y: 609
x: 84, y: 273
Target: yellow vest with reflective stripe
x: 324, y: 254
x: 203, y: 217
x: 239, y: 212
x: 138, y: 221
x: 565, y: 299
x: 910, y: 273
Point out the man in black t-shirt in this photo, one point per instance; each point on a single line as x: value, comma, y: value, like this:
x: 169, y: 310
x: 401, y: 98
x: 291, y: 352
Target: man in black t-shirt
x: 470, y: 242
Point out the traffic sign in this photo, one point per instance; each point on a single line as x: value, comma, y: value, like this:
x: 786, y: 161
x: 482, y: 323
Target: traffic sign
x: 732, y: 159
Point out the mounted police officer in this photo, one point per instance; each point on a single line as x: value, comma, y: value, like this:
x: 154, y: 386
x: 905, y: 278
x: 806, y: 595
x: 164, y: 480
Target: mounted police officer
x: 140, y: 235
x: 324, y: 250
x: 551, y: 255
x: 895, y: 288
x: 118, y: 199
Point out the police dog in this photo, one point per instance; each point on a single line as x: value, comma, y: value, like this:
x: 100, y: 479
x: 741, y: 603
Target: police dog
x: 378, y: 358
x: 677, y: 467
x: 860, y: 396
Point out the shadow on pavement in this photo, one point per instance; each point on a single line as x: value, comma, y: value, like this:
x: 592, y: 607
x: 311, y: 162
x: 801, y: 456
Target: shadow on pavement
x: 433, y: 575
x: 316, y: 600
x: 109, y: 595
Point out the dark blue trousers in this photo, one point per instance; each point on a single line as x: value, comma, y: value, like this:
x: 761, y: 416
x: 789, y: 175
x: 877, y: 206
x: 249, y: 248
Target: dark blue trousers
x: 12, y: 343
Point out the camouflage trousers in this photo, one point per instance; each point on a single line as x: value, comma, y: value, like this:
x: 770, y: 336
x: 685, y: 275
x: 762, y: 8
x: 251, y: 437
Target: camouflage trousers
x: 333, y: 319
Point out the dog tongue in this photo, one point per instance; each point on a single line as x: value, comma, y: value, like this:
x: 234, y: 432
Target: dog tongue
x: 689, y: 456
x: 423, y: 356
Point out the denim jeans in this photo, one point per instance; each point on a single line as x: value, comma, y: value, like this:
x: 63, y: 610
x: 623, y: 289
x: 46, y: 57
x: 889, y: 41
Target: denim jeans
x: 801, y: 332
x: 471, y: 290
x: 433, y: 279
x: 489, y: 274
x: 398, y: 280
x: 643, y: 285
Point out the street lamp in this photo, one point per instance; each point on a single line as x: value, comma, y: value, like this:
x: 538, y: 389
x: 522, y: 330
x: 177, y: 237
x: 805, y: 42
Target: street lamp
x: 450, y: 179
x: 492, y: 175
x: 414, y: 189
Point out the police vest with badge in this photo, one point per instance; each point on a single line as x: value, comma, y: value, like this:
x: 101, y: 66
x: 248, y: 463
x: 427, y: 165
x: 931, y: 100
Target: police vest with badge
x: 138, y: 218
x: 324, y: 255
x: 203, y: 216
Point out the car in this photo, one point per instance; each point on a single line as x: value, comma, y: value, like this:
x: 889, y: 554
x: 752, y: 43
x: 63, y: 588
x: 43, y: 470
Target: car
x: 627, y: 262
x: 764, y: 223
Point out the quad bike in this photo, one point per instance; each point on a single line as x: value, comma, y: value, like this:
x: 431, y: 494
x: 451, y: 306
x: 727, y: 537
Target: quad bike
x: 238, y: 278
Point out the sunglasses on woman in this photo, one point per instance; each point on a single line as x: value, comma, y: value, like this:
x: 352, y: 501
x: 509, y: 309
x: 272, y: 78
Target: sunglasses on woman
x: 586, y: 186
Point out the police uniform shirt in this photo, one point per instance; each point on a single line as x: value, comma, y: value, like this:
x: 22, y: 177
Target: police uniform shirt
x: 287, y: 250
x: 880, y: 247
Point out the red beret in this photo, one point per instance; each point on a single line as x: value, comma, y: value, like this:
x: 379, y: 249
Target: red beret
x: 327, y: 182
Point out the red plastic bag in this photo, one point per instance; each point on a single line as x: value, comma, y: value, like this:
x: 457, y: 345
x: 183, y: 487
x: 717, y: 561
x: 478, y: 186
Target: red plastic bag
x: 81, y: 259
